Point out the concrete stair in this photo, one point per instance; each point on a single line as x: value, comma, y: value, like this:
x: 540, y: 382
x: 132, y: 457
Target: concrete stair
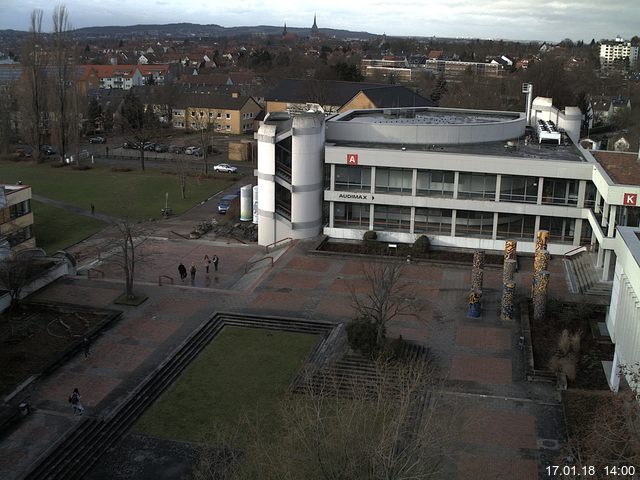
x: 582, y: 276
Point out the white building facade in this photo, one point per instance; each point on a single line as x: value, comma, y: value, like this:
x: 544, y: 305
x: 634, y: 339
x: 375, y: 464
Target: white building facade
x: 623, y: 317
x: 618, y: 50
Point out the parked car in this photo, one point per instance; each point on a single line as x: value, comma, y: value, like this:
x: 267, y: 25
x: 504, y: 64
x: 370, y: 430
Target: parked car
x: 129, y: 145
x: 225, y: 167
x: 149, y: 146
x: 225, y: 203
x: 175, y: 149
x: 161, y: 148
x: 97, y: 140
x: 48, y: 150
x: 24, y: 152
x: 190, y: 150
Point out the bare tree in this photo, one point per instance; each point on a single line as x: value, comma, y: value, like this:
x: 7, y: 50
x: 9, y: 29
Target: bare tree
x: 63, y: 81
x: 16, y: 272
x: 33, y: 92
x: 604, y: 427
x: 385, y: 298
x: 138, y: 122
x: 393, y: 426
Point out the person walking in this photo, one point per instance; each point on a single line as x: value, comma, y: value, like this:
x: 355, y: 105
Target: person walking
x: 207, y: 263
x: 182, y: 270
x: 93, y: 209
x: 215, y: 261
x: 74, y: 400
x: 85, y: 347
x: 192, y: 270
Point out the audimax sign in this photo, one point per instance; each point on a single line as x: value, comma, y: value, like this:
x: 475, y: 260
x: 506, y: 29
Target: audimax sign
x: 356, y: 196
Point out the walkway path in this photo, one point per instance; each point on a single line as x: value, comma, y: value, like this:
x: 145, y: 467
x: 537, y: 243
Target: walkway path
x: 501, y: 421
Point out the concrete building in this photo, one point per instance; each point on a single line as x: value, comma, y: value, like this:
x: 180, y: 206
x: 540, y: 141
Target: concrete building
x: 290, y: 172
x: 465, y: 178
x: 16, y: 217
x: 233, y: 114
x: 618, y: 50
x: 623, y: 317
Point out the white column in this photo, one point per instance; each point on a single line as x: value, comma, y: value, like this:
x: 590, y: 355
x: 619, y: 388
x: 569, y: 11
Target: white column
x: 498, y: 186
x: 331, y: 215
x: 454, y: 214
x: 540, y: 187
x: 582, y: 191
x: 606, y: 265
x: 412, y: 222
x: 612, y: 220
x: 371, y: 217
x: 605, y: 215
x: 614, y: 379
x: 494, y: 232
x: 577, y: 232
x: 456, y: 180
x: 596, y: 207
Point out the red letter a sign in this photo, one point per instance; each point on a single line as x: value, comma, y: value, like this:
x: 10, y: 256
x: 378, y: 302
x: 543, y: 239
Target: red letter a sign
x: 352, y: 159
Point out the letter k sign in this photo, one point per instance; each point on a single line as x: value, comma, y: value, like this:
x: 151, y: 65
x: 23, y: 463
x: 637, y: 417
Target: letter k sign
x: 352, y: 159
x: 630, y: 198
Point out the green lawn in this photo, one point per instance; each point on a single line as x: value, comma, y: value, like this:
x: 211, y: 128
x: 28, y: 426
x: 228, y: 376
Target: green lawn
x: 244, y: 371
x: 56, y: 229
x: 135, y: 194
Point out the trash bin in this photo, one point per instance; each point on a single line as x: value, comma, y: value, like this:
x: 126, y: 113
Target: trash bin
x: 24, y: 409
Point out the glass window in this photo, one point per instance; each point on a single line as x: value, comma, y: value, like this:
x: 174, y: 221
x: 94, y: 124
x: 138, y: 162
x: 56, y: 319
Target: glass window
x: 519, y: 189
x: 560, y: 191
x: 516, y: 226
x: 351, y: 215
x: 354, y: 178
x: 283, y: 201
x: 590, y: 196
x: 19, y: 236
x: 394, y: 180
x: 470, y: 223
x: 477, y: 185
x: 561, y: 230
x: 228, y: 116
x: 432, y: 220
x: 435, y: 183
x: 392, y: 218
x: 20, y: 209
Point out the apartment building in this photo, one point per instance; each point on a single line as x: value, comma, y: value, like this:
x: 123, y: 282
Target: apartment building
x: 16, y: 217
x: 233, y: 114
x: 618, y: 50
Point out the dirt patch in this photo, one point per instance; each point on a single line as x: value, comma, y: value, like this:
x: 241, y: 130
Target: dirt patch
x: 579, y: 319
x: 34, y: 338
x: 402, y: 250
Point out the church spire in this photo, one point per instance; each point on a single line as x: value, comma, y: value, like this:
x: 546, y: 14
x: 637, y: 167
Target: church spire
x: 284, y: 30
x: 314, y: 27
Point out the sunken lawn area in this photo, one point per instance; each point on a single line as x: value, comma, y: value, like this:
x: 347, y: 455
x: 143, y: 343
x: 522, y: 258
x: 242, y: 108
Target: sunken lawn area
x: 137, y: 194
x: 56, y: 228
x: 244, y: 372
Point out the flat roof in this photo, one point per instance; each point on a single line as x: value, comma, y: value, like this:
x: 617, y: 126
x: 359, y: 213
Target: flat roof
x: 631, y: 238
x: 426, y: 116
x: 622, y: 167
x: 512, y: 149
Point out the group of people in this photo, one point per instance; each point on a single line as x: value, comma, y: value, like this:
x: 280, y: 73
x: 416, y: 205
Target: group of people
x: 182, y: 270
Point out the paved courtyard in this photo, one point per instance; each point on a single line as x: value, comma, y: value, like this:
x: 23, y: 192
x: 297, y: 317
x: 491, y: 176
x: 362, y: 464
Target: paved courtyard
x: 502, y: 417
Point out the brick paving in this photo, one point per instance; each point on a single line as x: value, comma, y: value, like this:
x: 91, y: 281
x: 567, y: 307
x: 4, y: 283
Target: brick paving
x: 498, y: 437
x: 496, y: 468
x: 491, y: 338
x: 483, y: 369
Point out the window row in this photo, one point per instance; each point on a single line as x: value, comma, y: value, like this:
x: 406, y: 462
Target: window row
x: 19, y: 236
x: 440, y: 183
x: 468, y: 223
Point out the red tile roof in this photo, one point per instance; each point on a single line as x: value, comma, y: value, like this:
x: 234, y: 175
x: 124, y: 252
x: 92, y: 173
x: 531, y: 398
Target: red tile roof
x: 622, y: 167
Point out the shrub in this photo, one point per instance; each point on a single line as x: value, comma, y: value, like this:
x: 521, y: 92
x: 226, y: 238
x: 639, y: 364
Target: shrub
x: 422, y: 245
x: 121, y: 169
x: 362, y: 336
x: 81, y: 167
x: 369, y: 235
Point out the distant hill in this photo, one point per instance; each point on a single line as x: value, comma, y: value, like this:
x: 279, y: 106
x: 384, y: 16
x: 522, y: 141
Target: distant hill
x: 191, y: 30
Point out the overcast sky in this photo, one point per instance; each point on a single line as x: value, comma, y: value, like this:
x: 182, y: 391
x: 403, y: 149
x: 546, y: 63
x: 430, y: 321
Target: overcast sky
x: 510, y: 19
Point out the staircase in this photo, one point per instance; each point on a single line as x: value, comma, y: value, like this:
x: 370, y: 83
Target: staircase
x: 582, y: 276
x: 75, y: 454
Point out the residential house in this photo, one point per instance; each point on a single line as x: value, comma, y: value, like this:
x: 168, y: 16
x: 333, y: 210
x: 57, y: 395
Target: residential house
x: 612, y: 53
x: 16, y: 217
x: 233, y: 114
x: 302, y: 95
